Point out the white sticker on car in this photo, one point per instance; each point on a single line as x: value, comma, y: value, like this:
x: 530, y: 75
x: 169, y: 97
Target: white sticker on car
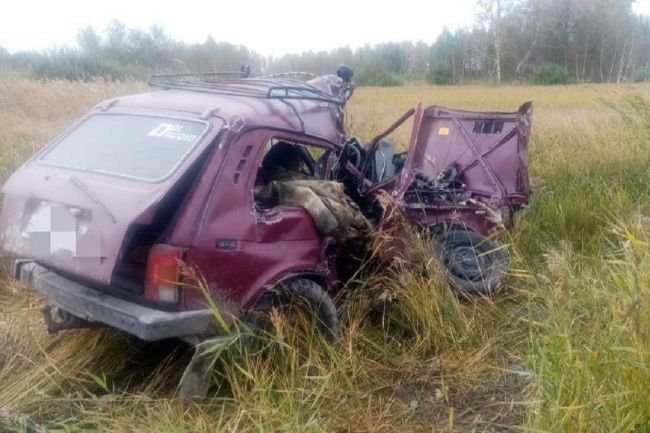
x: 171, y: 131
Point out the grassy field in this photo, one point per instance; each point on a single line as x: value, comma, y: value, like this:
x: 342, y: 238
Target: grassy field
x: 565, y: 347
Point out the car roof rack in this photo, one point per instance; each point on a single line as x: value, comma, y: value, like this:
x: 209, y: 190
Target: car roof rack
x: 238, y: 83
x: 293, y: 74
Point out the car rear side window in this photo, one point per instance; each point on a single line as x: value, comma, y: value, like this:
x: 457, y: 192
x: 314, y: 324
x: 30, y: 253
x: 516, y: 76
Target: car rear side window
x: 140, y: 147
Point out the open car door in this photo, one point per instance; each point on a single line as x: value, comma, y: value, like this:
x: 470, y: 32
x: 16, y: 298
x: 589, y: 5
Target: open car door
x: 488, y: 150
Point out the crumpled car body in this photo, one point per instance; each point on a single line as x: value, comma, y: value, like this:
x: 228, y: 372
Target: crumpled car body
x: 106, y: 219
x: 462, y: 168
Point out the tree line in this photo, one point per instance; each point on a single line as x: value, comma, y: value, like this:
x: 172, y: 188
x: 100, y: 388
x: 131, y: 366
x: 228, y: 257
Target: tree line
x: 544, y: 41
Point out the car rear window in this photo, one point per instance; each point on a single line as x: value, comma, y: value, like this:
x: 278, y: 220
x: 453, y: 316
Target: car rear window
x: 141, y: 147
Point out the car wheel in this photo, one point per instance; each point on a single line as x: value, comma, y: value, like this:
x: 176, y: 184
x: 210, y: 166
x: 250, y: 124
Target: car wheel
x: 299, y: 293
x: 475, y: 264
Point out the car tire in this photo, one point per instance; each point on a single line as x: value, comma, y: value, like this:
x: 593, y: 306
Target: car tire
x: 475, y: 265
x: 295, y: 291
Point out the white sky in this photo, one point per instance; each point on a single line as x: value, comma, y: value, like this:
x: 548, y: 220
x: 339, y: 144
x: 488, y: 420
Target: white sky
x: 270, y: 27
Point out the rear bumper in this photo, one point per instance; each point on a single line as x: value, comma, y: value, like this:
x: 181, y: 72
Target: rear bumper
x: 91, y: 305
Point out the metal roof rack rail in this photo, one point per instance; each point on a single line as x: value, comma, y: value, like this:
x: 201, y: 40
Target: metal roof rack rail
x: 295, y: 74
x: 202, y: 77
x: 239, y: 84
x: 282, y: 87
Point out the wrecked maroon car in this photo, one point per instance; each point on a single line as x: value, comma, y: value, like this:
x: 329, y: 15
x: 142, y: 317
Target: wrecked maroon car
x: 105, y: 218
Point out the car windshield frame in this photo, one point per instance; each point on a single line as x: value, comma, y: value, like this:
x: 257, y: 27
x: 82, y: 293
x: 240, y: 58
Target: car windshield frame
x: 200, y: 138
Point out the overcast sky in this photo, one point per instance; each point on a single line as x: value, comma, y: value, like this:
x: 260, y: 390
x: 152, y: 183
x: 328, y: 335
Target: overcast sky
x: 270, y: 27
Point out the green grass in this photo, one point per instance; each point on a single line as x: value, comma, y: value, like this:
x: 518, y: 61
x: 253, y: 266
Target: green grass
x: 564, y: 348
x: 587, y: 236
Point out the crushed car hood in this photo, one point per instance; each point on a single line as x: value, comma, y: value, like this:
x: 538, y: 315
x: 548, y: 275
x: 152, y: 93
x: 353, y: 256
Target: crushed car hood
x: 488, y: 149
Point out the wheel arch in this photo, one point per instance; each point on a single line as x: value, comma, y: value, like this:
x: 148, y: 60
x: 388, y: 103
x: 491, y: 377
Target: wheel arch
x: 320, y: 278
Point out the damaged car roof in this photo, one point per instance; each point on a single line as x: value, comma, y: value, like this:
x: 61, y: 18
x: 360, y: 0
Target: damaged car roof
x: 317, y: 117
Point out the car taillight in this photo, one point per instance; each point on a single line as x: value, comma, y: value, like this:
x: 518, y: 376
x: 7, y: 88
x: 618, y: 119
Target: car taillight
x: 163, y: 276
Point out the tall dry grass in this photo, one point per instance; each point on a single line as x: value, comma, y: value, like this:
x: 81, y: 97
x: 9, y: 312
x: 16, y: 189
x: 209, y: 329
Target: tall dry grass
x: 563, y: 348
x: 33, y: 112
